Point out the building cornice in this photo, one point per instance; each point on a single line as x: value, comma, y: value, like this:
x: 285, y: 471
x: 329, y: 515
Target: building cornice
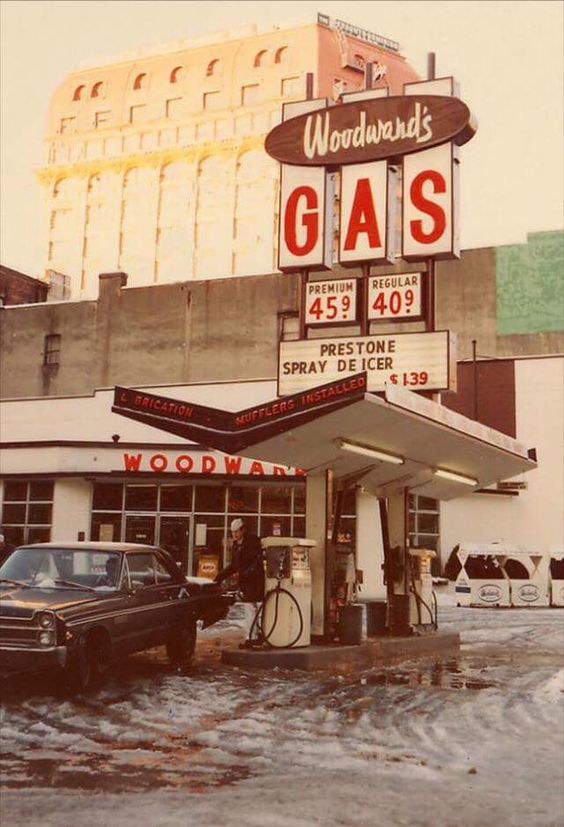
x: 223, y: 148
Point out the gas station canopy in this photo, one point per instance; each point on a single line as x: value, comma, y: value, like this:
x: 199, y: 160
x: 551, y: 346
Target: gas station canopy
x: 402, y: 440
x: 384, y: 443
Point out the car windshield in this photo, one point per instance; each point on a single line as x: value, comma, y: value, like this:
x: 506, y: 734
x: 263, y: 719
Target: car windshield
x: 59, y: 568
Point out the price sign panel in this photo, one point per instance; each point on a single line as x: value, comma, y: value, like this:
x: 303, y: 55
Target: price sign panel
x: 397, y: 296
x: 330, y: 302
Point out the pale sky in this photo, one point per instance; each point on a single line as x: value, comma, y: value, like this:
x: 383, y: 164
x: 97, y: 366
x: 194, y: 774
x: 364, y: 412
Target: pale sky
x: 506, y: 54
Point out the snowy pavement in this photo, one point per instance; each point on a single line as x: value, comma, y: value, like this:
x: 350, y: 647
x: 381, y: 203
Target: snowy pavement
x: 476, y: 739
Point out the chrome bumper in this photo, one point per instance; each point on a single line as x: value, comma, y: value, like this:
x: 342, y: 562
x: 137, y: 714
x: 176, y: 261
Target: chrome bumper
x: 15, y: 658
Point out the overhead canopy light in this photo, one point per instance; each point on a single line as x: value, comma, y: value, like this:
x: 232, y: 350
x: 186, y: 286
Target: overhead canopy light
x: 367, y: 451
x: 450, y: 475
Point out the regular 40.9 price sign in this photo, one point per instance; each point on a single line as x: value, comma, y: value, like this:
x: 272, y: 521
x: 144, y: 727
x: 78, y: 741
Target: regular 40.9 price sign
x: 330, y: 302
x: 397, y: 296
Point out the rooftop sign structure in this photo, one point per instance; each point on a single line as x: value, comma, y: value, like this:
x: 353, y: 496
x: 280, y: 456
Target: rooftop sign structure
x: 356, y: 31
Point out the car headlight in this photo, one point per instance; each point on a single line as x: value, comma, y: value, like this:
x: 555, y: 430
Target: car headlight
x: 46, y: 638
x: 47, y: 620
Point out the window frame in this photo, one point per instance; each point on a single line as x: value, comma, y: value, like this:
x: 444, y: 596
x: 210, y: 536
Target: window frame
x: 101, y: 122
x: 141, y: 82
x: 26, y: 527
x: 98, y: 89
x: 213, y: 68
x: 49, y: 350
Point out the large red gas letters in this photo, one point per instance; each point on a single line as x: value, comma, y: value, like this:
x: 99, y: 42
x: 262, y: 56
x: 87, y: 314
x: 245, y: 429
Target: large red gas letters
x: 430, y: 190
x: 365, y: 213
x: 303, y: 218
x: 309, y: 213
x: 429, y: 203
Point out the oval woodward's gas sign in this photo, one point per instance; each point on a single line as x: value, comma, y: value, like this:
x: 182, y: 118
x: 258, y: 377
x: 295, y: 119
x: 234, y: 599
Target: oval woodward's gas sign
x: 370, y: 130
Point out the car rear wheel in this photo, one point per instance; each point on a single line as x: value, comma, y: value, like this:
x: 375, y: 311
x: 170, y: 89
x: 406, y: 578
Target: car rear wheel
x: 181, y: 645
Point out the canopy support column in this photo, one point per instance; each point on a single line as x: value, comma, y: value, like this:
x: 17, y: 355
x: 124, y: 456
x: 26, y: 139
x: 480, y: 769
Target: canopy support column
x: 318, y: 512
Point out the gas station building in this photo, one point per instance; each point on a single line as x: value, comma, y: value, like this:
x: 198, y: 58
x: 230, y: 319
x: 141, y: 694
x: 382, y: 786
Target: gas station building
x: 64, y: 476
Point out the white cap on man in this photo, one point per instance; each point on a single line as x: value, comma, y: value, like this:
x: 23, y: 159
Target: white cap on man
x: 237, y: 524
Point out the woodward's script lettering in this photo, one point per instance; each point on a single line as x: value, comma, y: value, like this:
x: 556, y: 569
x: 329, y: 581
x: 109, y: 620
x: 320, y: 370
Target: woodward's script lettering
x: 320, y: 139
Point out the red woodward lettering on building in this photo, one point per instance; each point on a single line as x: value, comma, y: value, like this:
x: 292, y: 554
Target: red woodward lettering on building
x: 131, y: 462
x: 435, y: 211
x: 158, y: 463
x: 310, y: 220
x: 184, y: 464
x: 208, y: 464
x: 363, y: 217
x: 233, y: 465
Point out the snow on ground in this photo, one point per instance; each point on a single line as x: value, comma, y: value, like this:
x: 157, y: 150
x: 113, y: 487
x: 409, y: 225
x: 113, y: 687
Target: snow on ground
x: 475, y: 739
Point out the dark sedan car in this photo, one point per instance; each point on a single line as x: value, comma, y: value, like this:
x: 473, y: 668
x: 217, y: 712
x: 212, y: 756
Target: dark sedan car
x: 80, y: 606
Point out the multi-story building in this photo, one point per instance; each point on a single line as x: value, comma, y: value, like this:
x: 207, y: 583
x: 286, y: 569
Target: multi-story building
x: 155, y: 161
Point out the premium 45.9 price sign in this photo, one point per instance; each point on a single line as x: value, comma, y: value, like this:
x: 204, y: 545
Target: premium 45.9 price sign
x: 397, y: 296
x: 417, y: 361
x: 330, y: 302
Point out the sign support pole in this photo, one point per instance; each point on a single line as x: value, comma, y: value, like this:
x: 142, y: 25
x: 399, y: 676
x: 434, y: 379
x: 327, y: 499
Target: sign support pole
x: 304, y: 273
x: 430, y: 320
x: 430, y: 297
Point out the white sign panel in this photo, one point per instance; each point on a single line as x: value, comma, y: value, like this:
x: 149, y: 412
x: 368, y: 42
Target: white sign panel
x: 418, y: 361
x: 429, y: 196
x: 367, y: 213
x: 396, y: 296
x: 306, y: 204
x: 330, y: 302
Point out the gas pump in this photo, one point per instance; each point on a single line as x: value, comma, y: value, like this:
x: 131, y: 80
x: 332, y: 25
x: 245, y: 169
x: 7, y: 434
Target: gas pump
x: 422, y: 604
x: 285, y: 616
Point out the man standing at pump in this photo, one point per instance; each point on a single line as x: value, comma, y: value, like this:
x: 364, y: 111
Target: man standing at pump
x: 246, y: 561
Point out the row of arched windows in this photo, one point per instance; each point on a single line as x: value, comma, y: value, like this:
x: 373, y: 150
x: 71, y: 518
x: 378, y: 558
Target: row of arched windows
x: 178, y: 74
x: 81, y: 91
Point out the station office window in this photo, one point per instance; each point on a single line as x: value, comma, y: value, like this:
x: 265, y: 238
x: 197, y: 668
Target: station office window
x: 424, y: 522
x: 27, y: 511
x: 144, y: 511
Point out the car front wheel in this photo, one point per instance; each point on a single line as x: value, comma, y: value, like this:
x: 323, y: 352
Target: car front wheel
x: 84, y: 668
x: 181, y: 645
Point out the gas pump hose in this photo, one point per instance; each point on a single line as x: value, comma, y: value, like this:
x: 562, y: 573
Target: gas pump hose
x: 420, y: 602
x: 258, y: 619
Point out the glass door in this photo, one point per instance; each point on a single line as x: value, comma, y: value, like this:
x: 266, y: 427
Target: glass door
x: 174, y: 537
x: 140, y: 528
